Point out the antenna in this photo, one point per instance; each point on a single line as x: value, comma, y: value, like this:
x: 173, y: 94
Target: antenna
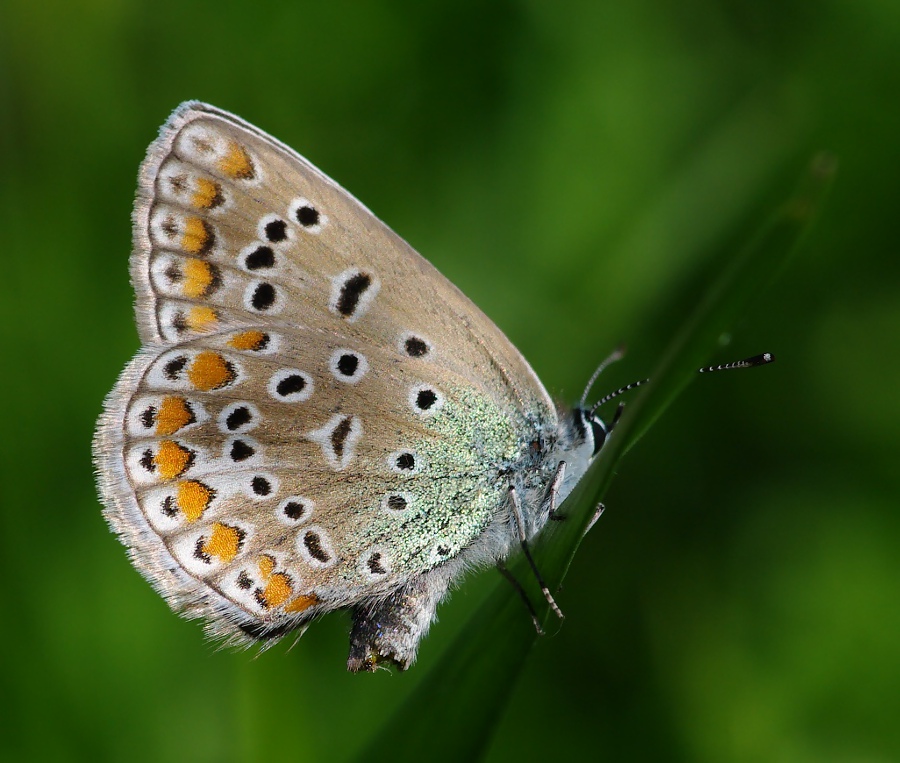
x: 616, y: 354
x: 757, y: 360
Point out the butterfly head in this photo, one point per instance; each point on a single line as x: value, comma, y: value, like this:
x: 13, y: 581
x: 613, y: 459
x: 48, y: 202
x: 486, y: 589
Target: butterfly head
x: 584, y: 432
x: 585, y: 435
x: 598, y: 429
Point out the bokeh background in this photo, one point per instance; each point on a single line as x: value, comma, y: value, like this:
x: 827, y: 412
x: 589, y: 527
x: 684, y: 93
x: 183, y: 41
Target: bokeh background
x: 574, y: 167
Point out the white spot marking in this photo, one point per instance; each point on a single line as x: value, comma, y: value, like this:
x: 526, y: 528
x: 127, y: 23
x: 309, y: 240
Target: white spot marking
x: 343, y: 359
x: 295, y: 504
x: 274, y: 230
x: 185, y: 549
x: 409, y: 344
x: 171, y: 370
x: 233, y: 420
x: 177, y: 183
x: 140, y: 415
x: 315, y: 547
x: 425, y: 400
x: 154, y: 505
x: 285, y: 385
x: 261, y: 486
x: 338, y: 439
x: 166, y: 274
x: 141, y: 465
x: 263, y: 298
x: 205, y: 146
x: 304, y: 204
x: 241, y: 451
x: 169, y: 225
x: 441, y: 552
x: 378, y: 559
x: 353, y: 303
x: 258, y: 262
x: 391, y: 500
x: 405, y: 462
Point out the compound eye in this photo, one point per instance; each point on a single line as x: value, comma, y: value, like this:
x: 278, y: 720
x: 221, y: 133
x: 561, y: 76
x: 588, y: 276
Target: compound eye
x: 600, y: 432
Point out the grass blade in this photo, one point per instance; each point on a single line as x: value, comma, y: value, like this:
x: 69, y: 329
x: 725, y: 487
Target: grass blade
x: 452, y: 713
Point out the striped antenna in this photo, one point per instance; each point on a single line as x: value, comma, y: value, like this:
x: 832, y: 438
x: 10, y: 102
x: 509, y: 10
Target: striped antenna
x: 756, y: 360
x: 619, y: 391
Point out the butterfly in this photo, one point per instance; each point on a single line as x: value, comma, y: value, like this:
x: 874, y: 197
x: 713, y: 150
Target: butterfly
x: 317, y: 419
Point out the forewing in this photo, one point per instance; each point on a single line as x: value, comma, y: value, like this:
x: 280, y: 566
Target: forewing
x: 231, y: 225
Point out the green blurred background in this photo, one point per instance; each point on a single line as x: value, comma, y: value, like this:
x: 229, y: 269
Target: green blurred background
x: 574, y: 167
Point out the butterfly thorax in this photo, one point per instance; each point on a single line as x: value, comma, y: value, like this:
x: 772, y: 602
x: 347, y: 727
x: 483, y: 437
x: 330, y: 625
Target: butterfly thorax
x: 563, y: 449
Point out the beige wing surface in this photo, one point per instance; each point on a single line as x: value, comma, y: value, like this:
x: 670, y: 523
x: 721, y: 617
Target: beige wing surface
x: 231, y: 225
x: 317, y: 413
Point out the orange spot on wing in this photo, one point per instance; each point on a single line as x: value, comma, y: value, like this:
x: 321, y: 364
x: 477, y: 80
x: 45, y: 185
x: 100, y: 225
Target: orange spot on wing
x: 193, y: 499
x: 201, y: 318
x: 237, y: 163
x: 277, y: 590
x: 301, y: 603
x: 198, y: 277
x: 266, y: 566
x: 248, y: 340
x: 207, y: 194
x: 197, y: 236
x: 174, y: 413
x: 224, y: 542
x: 172, y: 459
x: 210, y: 371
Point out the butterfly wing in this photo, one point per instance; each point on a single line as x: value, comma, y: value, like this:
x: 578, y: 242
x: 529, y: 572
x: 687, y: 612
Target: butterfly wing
x: 317, y: 413
x: 218, y: 191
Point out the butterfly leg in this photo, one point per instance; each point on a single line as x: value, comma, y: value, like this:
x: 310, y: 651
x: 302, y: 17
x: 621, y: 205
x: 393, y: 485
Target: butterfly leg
x: 517, y: 586
x: 389, y: 630
x: 515, y: 503
x: 597, y: 512
x: 555, y: 487
x: 553, y: 510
